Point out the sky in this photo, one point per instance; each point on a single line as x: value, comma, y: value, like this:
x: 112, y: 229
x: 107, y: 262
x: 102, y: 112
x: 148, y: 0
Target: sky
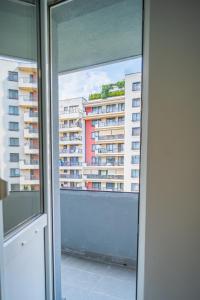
x: 85, y: 82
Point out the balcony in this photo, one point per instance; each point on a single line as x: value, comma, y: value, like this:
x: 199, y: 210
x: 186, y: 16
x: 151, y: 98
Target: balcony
x: 104, y: 113
x: 31, y: 133
x: 106, y: 138
x: 29, y: 180
x: 71, y: 140
x: 104, y: 165
x: 70, y: 114
x: 107, y: 152
x: 27, y: 83
x: 70, y: 177
x: 70, y: 128
x: 29, y: 164
x: 31, y: 117
x: 99, y: 258
x: 31, y: 149
x: 28, y: 101
x: 97, y: 177
x: 70, y: 152
x: 63, y: 165
x: 110, y: 125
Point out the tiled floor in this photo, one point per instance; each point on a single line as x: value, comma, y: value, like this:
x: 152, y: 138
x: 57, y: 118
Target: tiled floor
x: 88, y: 280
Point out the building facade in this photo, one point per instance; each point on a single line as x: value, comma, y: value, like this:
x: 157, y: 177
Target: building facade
x: 19, y: 140
x: 100, y: 139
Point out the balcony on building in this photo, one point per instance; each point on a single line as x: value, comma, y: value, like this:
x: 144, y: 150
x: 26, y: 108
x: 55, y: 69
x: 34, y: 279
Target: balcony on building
x: 110, y: 125
x: 106, y: 138
x: 29, y: 164
x: 31, y: 117
x: 28, y: 83
x: 28, y: 101
x: 31, y: 148
x: 31, y: 133
x: 29, y: 180
x: 99, y: 244
x: 70, y: 127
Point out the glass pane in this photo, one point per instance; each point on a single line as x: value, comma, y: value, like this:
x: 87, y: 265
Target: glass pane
x: 19, y: 123
x: 97, y: 71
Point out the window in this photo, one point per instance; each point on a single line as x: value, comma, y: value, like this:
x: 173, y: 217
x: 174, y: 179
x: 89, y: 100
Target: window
x: 135, y: 159
x: 136, y: 102
x: 136, y: 131
x: 94, y: 123
x: 121, y: 107
x: 136, y: 117
x: 135, y: 145
x: 136, y: 86
x: 14, y: 172
x: 134, y: 187
x: 96, y: 185
x: 13, y: 94
x: 12, y: 76
x: 14, y: 187
x: 134, y: 173
x: 13, y: 126
x: 110, y: 108
x: 93, y: 147
x: 94, y: 134
x: 14, y: 157
x: 14, y: 142
x: 110, y: 185
x: 13, y: 110
x: 73, y: 109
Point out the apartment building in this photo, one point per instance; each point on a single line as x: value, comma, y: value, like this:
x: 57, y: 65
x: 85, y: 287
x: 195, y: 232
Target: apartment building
x: 19, y: 142
x: 100, y: 138
x: 71, y: 142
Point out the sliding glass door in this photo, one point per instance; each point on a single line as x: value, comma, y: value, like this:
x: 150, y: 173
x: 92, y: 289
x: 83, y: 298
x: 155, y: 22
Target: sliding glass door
x: 96, y: 56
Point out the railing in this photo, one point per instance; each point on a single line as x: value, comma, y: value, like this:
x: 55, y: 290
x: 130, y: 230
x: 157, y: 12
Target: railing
x: 31, y: 162
x: 27, y: 80
x: 70, y: 151
x: 70, y: 126
x: 83, y: 226
x: 85, y: 231
x: 103, y: 150
x: 32, y: 130
x: 71, y: 176
x: 31, y: 177
x: 69, y: 164
x: 106, y: 164
x: 96, y: 176
x: 104, y: 124
x: 33, y: 146
x: 104, y: 111
x: 110, y: 137
x: 33, y: 114
x: 27, y: 98
x: 67, y: 139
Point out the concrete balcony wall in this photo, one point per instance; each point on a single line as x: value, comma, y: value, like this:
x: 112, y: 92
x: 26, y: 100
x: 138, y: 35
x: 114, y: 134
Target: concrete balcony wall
x: 100, y: 225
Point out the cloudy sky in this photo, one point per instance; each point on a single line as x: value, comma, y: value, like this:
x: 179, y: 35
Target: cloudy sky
x: 83, y: 83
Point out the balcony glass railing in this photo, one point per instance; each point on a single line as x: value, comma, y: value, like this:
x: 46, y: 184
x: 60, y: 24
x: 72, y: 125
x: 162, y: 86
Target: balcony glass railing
x: 71, y: 176
x: 27, y: 80
x: 110, y: 137
x: 106, y: 124
x: 27, y: 98
x: 104, y: 150
x: 31, y: 162
x: 74, y: 138
x: 111, y: 163
x: 97, y: 176
x: 104, y: 111
x: 70, y: 126
x: 70, y: 151
x: 69, y: 164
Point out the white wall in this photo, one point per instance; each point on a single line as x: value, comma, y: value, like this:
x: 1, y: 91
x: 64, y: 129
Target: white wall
x: 172, y: 247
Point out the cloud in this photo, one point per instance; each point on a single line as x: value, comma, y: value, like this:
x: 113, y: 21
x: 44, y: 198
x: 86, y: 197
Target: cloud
x: 81, y: 84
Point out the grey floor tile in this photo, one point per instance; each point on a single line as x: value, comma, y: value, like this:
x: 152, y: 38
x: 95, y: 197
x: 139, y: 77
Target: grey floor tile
x: 89, y: 280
